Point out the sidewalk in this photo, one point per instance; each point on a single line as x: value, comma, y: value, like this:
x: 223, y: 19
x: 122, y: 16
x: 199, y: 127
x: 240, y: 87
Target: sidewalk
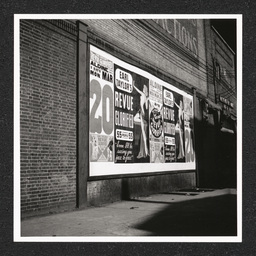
x: 188, y: 213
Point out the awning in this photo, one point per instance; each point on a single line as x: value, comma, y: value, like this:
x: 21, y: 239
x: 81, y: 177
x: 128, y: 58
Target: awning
x: 223, y: 129
x: 228, y: 125
x: 233, y: 117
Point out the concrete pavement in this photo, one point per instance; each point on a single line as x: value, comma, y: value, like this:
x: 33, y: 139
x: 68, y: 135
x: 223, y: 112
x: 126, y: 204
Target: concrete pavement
x: 182, y: 213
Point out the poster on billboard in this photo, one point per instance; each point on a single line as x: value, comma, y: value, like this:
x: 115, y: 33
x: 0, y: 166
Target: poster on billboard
x: 169, y: 126
x: 131, y: 117
x: 138, y: 123
x: 101, y: 105
x: 156, y: 138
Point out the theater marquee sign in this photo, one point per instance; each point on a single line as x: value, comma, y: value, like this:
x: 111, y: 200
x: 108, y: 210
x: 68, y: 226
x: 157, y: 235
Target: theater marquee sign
x: 138, y: 123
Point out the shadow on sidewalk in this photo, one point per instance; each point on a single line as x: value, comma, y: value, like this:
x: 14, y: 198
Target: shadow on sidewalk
x: 214, y: 216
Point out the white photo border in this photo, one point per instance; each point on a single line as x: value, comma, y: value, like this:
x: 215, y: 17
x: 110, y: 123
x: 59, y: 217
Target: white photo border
x: 16, y: 181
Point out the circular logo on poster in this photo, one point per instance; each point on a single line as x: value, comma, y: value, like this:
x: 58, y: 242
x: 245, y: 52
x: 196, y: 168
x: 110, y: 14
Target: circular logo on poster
x: 156, y: 123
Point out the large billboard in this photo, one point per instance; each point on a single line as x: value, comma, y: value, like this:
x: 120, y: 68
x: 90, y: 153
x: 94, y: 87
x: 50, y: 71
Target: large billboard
x: 138, y: 123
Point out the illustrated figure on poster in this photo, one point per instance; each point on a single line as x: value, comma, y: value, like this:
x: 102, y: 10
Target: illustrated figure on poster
x: 178, y: 128
x: 94, y: 145
x: 110, y: 150
x: 140, y: 118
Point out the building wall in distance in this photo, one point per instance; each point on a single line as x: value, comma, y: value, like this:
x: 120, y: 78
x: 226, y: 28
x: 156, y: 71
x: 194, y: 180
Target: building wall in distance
x: 217, y: 148
x: 225, y: 75
x: 225, y: 78
x: 48, y: 117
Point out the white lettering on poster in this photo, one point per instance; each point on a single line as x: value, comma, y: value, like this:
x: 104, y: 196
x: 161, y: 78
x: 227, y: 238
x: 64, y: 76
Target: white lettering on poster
x: 124, y: 135
x: 155, y: 92
x: 123, y: 101
x: 123, y: 81
x: 169, y: 128
x: 123, y: 119
x: 169, y: 140
x: 169, y: 114
x: 168, y: 98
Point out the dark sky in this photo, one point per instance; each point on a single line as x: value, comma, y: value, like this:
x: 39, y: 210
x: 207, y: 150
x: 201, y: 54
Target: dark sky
x: 227, y: 29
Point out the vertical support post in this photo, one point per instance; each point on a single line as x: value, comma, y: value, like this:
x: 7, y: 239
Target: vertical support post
x: 214, y: 80
x: 82, y: 115
x: 195, y: 130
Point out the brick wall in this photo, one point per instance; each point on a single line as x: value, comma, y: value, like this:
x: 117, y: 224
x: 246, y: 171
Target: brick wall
x: 48, y: 117
x: 148, y: 50
x: 103, y: 191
